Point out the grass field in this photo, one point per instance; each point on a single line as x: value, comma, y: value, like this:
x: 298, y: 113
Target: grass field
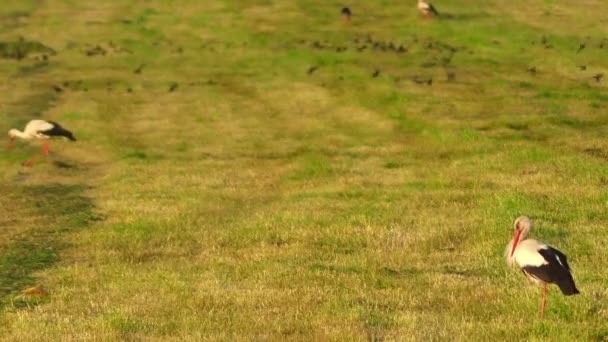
x: 262, y: 170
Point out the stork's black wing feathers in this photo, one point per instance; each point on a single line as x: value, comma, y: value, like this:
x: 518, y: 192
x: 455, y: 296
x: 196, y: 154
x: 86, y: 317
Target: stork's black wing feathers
x: 58, y: 131
x: 433, y: 9
x: 559, y: 257
x: 556, y: 271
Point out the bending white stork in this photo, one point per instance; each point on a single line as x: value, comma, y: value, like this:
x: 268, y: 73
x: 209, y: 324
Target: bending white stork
x: 39, y: 129
x: 427, y: 9
x: 540, y: 262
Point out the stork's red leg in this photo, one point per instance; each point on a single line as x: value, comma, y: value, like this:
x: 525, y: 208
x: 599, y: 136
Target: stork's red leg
x: 542, y: 307
x: 45, y: 152
x: 30, y: 161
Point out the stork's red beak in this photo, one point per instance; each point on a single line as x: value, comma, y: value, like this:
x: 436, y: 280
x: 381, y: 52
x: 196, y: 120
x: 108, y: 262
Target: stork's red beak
x: 515, y: 240
x: 10, y: 142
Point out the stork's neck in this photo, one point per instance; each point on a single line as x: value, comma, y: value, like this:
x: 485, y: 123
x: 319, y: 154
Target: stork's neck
x: 17, y: 133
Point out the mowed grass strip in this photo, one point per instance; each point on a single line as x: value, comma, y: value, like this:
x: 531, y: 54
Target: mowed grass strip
x: 261, y: 175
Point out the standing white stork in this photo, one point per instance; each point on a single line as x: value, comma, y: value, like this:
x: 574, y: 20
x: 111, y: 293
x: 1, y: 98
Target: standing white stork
x: 39, y: 129
x: 542, y: 263
x: 427, y: 9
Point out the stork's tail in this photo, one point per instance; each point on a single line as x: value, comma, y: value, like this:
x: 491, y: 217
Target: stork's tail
x: 568, y: 287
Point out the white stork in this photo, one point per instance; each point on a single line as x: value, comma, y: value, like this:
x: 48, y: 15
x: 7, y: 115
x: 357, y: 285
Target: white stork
x: 39, y: 129
x: 540, y: 262
x: 427, y: 9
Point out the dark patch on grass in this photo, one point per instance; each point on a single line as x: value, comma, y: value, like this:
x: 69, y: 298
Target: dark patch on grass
x: 63, y: 165
x: 526, y: 85
x: 173, y: 86
x: 142, y: 155
x: 33, y: 68
x: 548, y: 94
x: 277, y: 240
x: 596, y: 152
x: 96, y: 51
x: 518, y: 126
x: 60, y: 208
x: 391, y: 164
x: 572, y: 122
x: 21, y: 48
x: 182, y: 147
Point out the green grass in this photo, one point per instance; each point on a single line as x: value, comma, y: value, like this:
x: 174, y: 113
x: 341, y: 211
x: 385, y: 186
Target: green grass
x: 221, y: 189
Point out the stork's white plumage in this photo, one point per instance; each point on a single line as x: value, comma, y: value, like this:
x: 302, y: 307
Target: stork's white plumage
x: 39, y: 129
x: 540, y: 262
x: 427, y: 9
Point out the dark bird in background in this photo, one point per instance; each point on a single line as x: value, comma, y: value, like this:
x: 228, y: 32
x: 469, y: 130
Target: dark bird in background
x: 419, y: 80
x: 544, y: 40
x: 582, y: 67
x: 139, y: 69
x: 312, y: 69
x: 39, y: 130
x: 376, y: 73
x: 427, y: 9
x: 346, y: 13
x: 532, y: 70
x: 581, y: 47
x: 598, y: 77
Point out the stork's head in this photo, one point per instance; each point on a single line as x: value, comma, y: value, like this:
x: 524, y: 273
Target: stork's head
x: 522, y: 226
x: 11, y: 137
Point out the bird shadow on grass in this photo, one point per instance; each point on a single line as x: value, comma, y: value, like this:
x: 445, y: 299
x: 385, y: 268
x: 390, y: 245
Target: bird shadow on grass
x: 64, y: 165
x: 461, y: 16
x: 57, y: 209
